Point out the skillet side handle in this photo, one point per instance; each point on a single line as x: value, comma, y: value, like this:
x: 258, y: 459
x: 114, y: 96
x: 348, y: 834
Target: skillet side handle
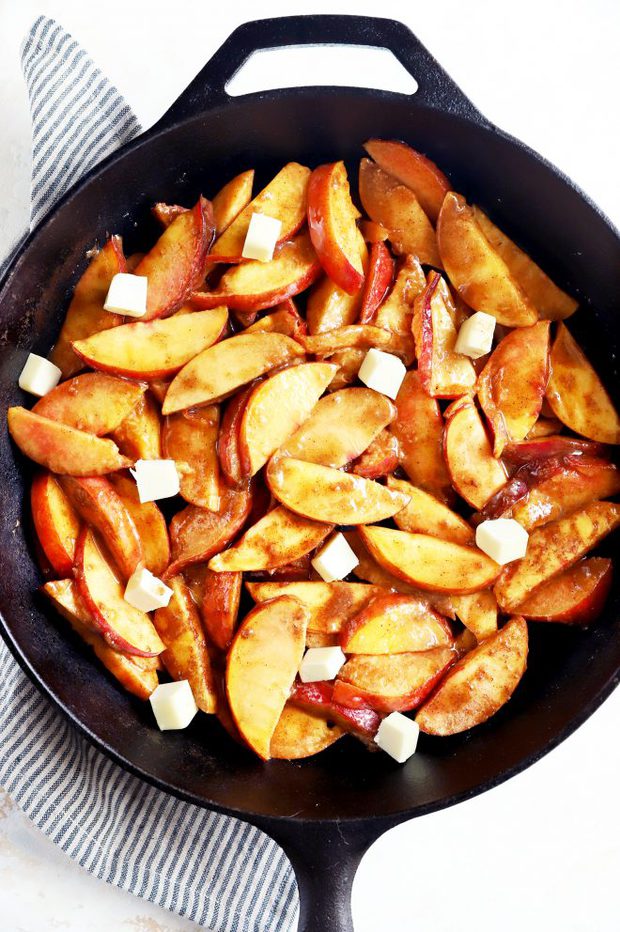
x: 325, y: 857
x: 208, y: 89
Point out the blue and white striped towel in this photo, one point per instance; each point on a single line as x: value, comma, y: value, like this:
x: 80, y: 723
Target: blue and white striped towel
x: 222, y: 873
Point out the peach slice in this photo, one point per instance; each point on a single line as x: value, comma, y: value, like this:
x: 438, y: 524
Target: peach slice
x: 186, y: 656
x: 373, y: 232
x: 155, y: 349
x: 475, y: 268
x: 124, y: 627
x: 332, y: 223
x: 511, y: 387
x: 197, y: 533
x: 419, y: 429
x: 444, y: 373
x: 395, y: 624
x: 330, y: 307
x: 478, y: 612
x: 380, y: 276
x: 430, y: 563
x: 576, y: 596
x: 544, y: 427
x: 262, y: 664
x: 540, y: 448
x: 576, y: 394
x: 381, y: 458
x: 319, y: 698
x: 138, y: 680
x: 480, y: 683
x: 285, y: 319
x: 357, y: 336
x: 220, y: 370
x: 391, y: 682
x: 254, y: 286
x: 341, y: 426
x: 299, y: 733
x: 139, y: 435
x: 176, y: 263
x: 330, y: 605
x: 86, y: 315
x: 425, y: 514
x: 551, y: 302
x: 93, y: 402
x: 149, y: 521
x: 395, y: 313
x: 284, y: 198
x: 55, y: 521
x: 220, y: 606
x: 412, y: 169
x: 283, y: 402
x: 228, y: 450
x: 275, y: 540
x: 63, y: 449
x: 99, y: 505
x: 394, y: 206
x: 476, y: 474
x: 190, y: 439
x: 326, y: 494
x: 554, y: 548
x: 232, y: 199
x: 349, y: 362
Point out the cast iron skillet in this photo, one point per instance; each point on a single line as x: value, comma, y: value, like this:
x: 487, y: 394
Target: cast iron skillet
x: 326, y: 811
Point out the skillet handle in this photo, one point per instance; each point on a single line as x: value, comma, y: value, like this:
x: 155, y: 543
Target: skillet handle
x: 325, y: 857
x: 208, y: 89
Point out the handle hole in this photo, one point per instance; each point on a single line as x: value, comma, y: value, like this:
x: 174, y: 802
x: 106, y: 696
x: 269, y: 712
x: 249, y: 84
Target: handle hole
x: 310, y: 65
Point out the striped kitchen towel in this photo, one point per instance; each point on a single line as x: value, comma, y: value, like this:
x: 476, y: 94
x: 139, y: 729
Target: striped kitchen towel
x: 218, y: 871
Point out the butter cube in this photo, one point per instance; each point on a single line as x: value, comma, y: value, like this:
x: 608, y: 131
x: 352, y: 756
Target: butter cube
x: 261, y: 238
x: 156, y: 479
x: 321, y: 663
x: 39, y: 376
x: 335, y: 560
x: 127, y: 295
x: 475, y: 337
x: 502, y: 539
x: 398, y: 736
x: 145, y: 591
x: 173, y: 705
x: 383, y: 372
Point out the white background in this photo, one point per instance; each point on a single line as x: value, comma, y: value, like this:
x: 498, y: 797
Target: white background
x: 543, y: 851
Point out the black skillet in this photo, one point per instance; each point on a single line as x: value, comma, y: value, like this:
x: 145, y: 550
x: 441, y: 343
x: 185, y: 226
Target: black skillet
x: 325, y: 812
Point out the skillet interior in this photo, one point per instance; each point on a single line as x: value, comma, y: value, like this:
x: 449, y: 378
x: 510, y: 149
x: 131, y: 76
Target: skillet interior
x: 570, y: 671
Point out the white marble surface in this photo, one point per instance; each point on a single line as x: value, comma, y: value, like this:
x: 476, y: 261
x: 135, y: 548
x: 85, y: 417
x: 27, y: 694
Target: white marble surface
x: 543, y: 851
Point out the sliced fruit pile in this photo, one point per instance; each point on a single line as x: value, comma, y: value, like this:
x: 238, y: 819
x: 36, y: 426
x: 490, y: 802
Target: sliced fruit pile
x: 381, y: 431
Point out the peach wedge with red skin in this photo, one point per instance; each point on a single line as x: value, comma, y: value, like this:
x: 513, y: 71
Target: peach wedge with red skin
x: 97, y: 502
x: 139, y: 435
x: 262, y: 664
x: 254, y: 286
x: 228, y: 451
x: 362, y: 722
x: 391, y: 682
x: 92, y: 402
x: 176, y: 263
x: 190, y: 439
x: 124, y: 627
x: 283, y: 401
x: 197, y: 534
x: 220, y: 370
x: 512, y: 385
x: 283, y: 198
x: 380, y: 458
x: 475, y: 268
x: 395, y: 624
x: 332, y: 223
x: 480, y: 683
x: 85, y: 315
x: 379, y: 278
x: 330, y: 605
x: 56, y: 523
x: 326, y: 494
x: 395, y: 206
x: 232, y: 199
x: 577, y: 395
x: 300, y: 733
x: 186, y: 656
x: 411, y: 168
x: 277, y: 539
x: 220, y: 606
x: 476, y: 474
x: 149, y: 521
x: 156, y: 349
x: 430, y: 563
x: 577, y: 596
x: 425, y: 514
x: 63, y: 449
x: 553, y: 548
